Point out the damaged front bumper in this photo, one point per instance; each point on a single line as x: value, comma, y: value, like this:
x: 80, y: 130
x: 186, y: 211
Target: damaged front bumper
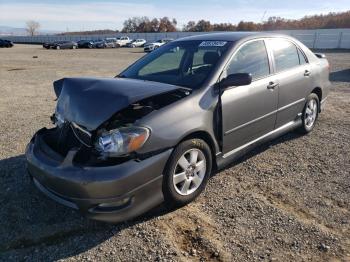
x: 111, y: 193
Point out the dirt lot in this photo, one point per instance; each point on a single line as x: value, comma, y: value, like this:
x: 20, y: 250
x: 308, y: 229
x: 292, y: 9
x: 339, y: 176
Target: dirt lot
x: 286, y: 201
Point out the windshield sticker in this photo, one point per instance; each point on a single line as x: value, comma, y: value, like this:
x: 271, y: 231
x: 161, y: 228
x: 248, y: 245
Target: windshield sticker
x: 212, y: 43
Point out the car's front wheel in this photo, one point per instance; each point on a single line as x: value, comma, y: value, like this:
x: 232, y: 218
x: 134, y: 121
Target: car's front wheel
x: 310, y: 113
x: 187, y: 172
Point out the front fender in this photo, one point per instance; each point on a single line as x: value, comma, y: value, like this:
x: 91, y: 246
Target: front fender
x: 195, y: 113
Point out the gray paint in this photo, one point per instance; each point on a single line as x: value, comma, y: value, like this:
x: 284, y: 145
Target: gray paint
x: 89, y: 102
x: 234, y: 119
x: 248, y: 112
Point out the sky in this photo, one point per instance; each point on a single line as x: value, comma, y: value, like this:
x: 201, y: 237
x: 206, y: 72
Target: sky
x: 76, y: 15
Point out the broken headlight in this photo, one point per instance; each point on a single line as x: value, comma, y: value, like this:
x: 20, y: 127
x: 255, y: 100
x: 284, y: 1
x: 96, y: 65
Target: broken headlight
x: 122, y: 141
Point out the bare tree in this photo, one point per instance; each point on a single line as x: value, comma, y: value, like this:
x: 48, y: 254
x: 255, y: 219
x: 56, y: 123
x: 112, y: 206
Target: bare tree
x: 32, y: 27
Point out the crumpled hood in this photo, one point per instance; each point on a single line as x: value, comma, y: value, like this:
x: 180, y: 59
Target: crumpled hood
x: 90, y: 102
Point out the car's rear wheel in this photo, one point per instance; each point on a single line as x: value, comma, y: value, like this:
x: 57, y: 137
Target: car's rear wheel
x: 58, y: 47
x: 187, y: 172
x: 310, y: 113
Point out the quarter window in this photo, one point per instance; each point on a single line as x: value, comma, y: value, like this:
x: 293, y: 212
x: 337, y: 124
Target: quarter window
x: 302, y: 59
x: 285, y: 54
x: 251, y: 58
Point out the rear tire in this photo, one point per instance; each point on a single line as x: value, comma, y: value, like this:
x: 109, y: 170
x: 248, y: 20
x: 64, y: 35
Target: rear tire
x: 58, y: 47
x: 187, y: 172
x: 310, y: 114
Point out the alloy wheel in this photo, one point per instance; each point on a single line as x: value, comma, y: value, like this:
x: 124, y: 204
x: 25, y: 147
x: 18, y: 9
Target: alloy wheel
x: 310, y: 113
x: 189, y: 172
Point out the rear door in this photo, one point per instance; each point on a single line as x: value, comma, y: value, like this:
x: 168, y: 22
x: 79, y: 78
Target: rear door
x: 249, y: 112
x: 65, y: 45
x: 293, y: 74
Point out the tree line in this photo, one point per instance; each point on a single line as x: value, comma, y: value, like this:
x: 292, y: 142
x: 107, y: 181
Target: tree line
x: 330, y: 20
x: 145, y: 24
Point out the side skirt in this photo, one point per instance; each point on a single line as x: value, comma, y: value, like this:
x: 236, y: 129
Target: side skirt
x: 227, y: 158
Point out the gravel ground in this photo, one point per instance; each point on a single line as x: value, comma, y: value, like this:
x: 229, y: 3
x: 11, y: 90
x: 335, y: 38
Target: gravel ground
x: 285, y: 201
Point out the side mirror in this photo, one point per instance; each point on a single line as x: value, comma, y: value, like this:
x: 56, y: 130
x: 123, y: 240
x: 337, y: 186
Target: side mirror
x: 239, y: 79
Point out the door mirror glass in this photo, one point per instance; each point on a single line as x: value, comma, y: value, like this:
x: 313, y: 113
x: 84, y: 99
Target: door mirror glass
x: 238, y: 79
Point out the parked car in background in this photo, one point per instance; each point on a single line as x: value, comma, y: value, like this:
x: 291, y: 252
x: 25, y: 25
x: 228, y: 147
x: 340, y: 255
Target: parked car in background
x: 5, y: 43
x: 47, y: 45
x: 149, y: 47
x: 111, y: 42
x: 114, y: 152
x: 123, y: 41
x: 99, y: 43
x: 136, y: 43
x: 85, y: 44
x: 61, y: 45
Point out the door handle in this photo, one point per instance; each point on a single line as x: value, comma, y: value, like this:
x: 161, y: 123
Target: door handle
x: 307, y: 73
x: 272, y: 85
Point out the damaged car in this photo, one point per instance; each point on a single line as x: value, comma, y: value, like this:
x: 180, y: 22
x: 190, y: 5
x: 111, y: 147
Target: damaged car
x: 156, y: 131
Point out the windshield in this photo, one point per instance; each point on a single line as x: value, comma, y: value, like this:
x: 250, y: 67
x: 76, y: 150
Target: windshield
x: 182, y: 63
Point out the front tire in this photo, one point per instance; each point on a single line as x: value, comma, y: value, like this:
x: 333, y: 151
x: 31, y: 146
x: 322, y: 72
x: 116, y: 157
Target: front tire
x: 187, y: 172
x: 310, y: 113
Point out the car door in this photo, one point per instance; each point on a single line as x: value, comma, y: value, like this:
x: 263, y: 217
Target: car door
x: 64, y: 45
x: 249, y: 112
x: 293, y: 75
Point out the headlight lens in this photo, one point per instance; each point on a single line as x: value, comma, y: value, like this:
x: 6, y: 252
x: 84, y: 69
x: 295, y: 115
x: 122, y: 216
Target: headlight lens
x: 122, y: 141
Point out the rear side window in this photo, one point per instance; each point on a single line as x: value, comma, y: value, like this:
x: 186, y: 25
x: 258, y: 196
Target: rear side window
x: 285, y: 54
x: 250, y: 58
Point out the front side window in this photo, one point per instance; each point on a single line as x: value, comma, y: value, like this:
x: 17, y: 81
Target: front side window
x: 251, y: 58
x: 285, y: 54
x: 182, y: 63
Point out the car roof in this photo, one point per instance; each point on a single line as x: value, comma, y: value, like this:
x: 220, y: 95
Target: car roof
x: 230, y: 36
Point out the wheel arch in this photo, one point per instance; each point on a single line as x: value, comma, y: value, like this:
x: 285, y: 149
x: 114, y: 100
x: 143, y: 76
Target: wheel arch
x: 206, y: 137
x: 318, y: 92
